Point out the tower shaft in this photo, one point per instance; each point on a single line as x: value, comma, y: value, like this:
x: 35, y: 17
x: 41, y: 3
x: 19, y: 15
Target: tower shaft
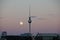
x: 29, y: 27
x: 29, y: 21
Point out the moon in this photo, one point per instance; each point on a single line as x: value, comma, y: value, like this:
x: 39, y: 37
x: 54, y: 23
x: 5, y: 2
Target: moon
x: 21, y: 23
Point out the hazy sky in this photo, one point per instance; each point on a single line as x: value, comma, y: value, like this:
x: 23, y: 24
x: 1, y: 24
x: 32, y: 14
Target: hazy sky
x: 46, y: 11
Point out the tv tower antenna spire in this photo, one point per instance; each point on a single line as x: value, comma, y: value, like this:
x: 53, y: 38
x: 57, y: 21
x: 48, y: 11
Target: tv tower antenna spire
x: 29, y: 21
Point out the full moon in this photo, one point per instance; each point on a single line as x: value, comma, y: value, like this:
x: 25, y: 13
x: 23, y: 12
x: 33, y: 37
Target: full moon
x: 21, y: 23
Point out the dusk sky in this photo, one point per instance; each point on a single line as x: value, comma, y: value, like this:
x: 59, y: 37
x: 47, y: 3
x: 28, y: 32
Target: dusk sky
x: 46, y: 12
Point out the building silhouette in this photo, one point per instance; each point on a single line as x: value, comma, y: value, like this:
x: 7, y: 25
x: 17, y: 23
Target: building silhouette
x: 3, y: 35
x: 27, y: 36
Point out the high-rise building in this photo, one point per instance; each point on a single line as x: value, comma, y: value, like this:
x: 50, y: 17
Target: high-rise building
x: 4, y: 33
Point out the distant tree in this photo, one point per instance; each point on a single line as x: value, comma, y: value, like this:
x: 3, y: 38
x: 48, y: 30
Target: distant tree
x: 38, y: 38
x: 56, y: 38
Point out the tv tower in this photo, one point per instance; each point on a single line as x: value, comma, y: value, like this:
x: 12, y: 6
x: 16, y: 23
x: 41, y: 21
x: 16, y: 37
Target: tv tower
x: 29, y: 20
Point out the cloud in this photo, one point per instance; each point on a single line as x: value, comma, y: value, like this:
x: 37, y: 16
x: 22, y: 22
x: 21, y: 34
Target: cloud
x: 41, y: 18
x: 53, y: 15
x: 34, y: 16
